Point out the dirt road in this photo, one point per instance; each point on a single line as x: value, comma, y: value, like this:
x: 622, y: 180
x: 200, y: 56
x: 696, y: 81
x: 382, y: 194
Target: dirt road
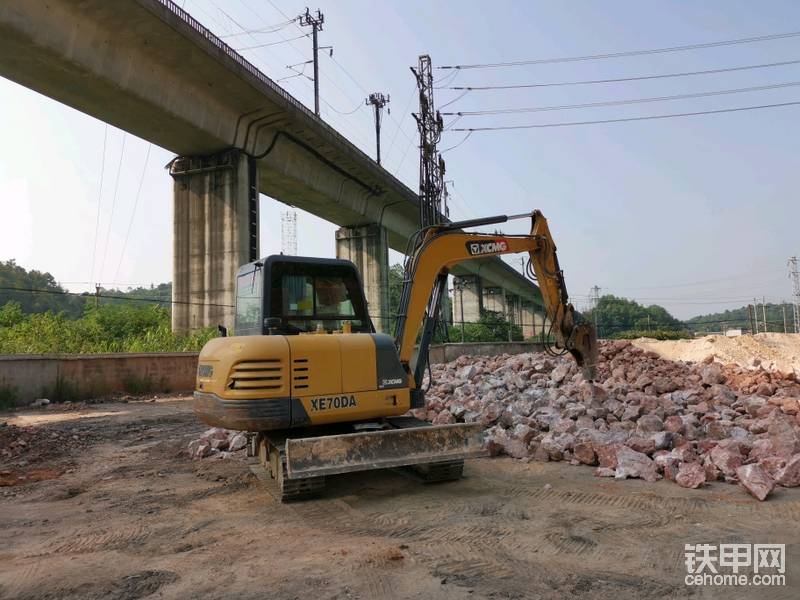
x: 133, y: 518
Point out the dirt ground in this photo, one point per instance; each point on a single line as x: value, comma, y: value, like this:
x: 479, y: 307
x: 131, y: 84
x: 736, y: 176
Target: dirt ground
x: 130, y: 516
x: 774, y: 351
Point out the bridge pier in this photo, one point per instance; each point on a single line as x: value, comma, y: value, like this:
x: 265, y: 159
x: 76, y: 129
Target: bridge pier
x: 494, y: 299
x: 514, y: 309
x: 467, y: 303
x: 215, y: 232
x: 367, y: 247
x: 528, y: 315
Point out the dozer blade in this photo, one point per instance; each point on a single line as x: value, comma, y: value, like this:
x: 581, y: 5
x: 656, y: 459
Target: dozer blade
x: 345, y: 453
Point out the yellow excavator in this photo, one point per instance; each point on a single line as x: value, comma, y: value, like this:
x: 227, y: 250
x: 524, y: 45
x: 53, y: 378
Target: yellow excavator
x: 321, y: 393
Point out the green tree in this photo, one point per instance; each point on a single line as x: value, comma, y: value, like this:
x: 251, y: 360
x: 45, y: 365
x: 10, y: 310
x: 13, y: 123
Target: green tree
x: 11, y: 314
x: 615, y: 316
x: 49, y: 297
x: 395, y: 288
x: 739, y: 318
x: 491, y: 327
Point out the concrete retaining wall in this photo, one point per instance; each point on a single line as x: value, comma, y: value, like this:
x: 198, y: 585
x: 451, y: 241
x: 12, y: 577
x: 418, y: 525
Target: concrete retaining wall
x: 77, y: 377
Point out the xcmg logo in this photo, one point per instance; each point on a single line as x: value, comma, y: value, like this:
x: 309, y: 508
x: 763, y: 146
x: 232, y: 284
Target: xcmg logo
x: 490, y: 247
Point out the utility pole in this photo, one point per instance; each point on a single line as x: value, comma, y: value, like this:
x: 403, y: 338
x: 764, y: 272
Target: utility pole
x: 783, y: 310
x: 751, y: 313
x: 446, y: 197
x: 378, y: 101
x: 431, y: 175
x: 308, y: 20
x: 795, y: 277
x: 96, y: 295
x: 755, y: 303
x: 764, y: 312
x: 431, y: 164
x: 596, y: 307
x: 458, y: 285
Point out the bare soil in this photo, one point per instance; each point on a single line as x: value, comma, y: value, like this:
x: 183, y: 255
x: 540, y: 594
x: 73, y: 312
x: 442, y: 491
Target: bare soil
x: 130, y: 516
x: 774, y: 351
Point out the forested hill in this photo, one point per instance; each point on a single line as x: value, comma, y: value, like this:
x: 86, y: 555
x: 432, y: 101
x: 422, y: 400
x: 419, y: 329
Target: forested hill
x: 54, y: 298
x: 616, y: 316
x: 739, y: 318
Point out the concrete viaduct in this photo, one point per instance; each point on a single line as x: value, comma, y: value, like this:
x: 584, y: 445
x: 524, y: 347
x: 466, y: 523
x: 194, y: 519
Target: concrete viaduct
x: 148, y: 67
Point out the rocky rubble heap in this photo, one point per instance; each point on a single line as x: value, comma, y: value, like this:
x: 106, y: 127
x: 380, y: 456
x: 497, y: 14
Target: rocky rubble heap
x: 645, y: 417
x: 217, y: 442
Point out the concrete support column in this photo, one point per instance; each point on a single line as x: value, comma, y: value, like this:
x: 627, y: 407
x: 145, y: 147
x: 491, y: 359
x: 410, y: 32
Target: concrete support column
x: 467, y: 300
x: 367, y: 247
x: 215, y: 232
x: 494, y: 299
x: 528, y: 316
x: 514, y: 309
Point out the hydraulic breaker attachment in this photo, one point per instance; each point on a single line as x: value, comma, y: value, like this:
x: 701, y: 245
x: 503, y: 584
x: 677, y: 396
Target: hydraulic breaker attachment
x: 345, y: 453
x: 582, y: 344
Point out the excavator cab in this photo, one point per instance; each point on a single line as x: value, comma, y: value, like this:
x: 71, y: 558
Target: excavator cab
x: 290, y: 295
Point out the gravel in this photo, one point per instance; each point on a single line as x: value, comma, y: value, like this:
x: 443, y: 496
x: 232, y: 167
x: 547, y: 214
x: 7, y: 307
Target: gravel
x: 645, y: 416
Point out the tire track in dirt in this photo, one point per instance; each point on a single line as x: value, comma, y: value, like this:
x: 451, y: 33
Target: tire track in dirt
x: 14, y: 581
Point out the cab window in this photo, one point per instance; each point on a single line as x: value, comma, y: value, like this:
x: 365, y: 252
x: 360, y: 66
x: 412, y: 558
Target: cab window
x: 248, y: 303
x: 307, y: 297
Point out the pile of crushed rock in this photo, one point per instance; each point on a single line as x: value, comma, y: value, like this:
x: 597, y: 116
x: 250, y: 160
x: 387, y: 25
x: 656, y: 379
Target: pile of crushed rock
x: 217, y: 442
x: 644, y: 417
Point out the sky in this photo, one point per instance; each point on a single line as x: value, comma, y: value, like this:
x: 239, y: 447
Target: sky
x: 697, y: 214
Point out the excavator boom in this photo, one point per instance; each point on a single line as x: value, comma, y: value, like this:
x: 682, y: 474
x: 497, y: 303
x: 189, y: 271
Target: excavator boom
x: 445, y: 245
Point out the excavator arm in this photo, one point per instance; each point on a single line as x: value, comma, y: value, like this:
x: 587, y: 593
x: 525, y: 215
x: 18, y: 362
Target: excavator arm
x: 445, y: 245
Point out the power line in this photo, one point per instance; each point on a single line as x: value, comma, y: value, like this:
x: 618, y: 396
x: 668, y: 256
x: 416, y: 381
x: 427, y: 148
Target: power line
x: 299, y: 37
x: 133, y: 214
x: 346, y: 125
x: 113, y: 203
x: 285, y: 16
x: 358, y: 107
x: 271, y: 29
x: 99, y: 199
x: 246, y: 32
x: 364, y: 90
x: 125, y: 298
x: 346, y: 72
x: 454, y: 100
x: 628, y: 119
x: 705, y: 281
x: 400, y: 123
x: 541, y: 61
x: 624, y: 79
x: 508, y: 111
x: 453, y: 147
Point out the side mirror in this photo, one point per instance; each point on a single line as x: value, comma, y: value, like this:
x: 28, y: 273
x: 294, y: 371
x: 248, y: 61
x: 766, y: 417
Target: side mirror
x: 223, y: 331
x: 271, y: 324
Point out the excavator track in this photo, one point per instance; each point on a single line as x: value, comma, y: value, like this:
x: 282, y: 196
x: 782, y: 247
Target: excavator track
x: 405, y: 444
x: 272, y: 463
x: 435, y: 472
